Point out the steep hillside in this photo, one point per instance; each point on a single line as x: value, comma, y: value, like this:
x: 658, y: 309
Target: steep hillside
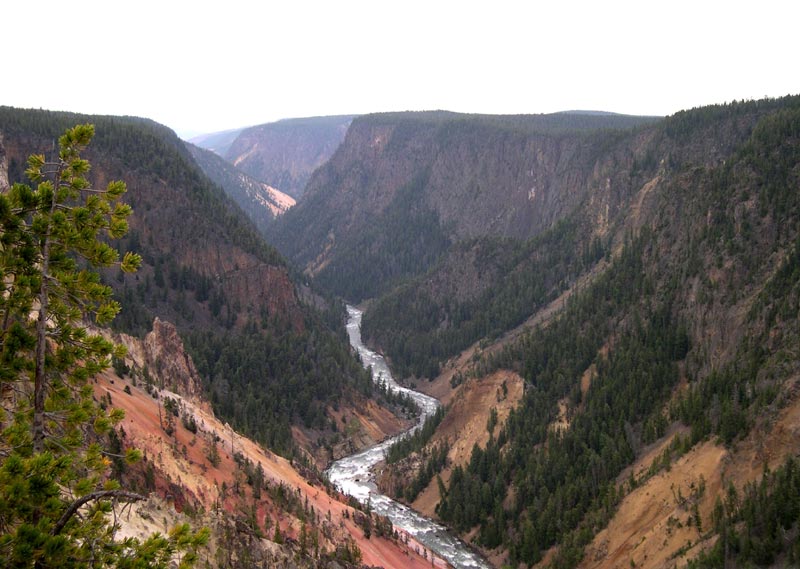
x: 643, y: 283
x: 146, y: 429
x: 437, y: 315
x: 270, y: 363
x: 676, y: 351
x: 403, y: 188
x: 259, y: 201
x: 262, y: 510
x: 284, y: 154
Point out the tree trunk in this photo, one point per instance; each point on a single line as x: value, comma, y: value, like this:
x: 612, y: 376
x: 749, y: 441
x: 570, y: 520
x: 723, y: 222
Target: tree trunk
x: 40, y: 376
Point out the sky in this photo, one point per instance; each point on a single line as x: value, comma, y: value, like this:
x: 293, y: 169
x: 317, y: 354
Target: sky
x: 207, y: 65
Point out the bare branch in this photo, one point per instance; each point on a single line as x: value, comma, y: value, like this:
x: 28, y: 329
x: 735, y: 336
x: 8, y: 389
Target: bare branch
x: 100, y: 495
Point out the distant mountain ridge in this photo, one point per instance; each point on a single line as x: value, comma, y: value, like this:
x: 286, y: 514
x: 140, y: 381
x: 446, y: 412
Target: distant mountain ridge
x: 590, y: 112
x: 217, y: 142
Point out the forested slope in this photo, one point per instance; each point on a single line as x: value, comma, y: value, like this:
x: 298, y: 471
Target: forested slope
x: 483, y: 287
x: 403, y: 188
x: 694, y: 323
x: 269, y: 361
x: 677, y: 243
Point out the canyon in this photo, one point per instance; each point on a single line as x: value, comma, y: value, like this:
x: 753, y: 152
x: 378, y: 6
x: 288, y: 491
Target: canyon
x: 606, y: 307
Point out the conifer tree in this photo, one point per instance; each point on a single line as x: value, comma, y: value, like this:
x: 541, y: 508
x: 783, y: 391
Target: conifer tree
x: 56, y: 493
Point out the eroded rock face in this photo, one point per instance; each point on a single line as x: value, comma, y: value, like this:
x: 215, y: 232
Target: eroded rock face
x: 260, y: 202
x: 162, y: 354
x: 166, y: 358
x: 284, y: 154
x: 430, y: 181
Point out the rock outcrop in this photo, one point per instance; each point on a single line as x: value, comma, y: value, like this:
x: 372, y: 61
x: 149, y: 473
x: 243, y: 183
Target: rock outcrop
x: 165, y: 355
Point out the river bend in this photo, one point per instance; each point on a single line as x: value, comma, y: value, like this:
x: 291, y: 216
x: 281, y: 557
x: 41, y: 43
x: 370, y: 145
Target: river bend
x: 353, y: 474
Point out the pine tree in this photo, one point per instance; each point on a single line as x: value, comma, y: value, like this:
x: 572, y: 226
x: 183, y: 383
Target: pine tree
x: 56, y: 492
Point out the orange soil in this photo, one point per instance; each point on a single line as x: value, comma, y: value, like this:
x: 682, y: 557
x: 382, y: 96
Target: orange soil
x: 190, y: 469
x: 464, y: 425
x: 651, y: 527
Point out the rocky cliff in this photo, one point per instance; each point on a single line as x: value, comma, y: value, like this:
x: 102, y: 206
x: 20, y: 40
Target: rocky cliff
x: 162, y: 354
x: 486, y: 285
x: 696, y: 268
x: 434, y: 179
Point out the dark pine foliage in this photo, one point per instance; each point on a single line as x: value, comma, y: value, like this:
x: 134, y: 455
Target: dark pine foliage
x: 263, y: 382
x: 420, y: 331
x: 416, y: 441
x: 560, y: 478
x: 404, y: 240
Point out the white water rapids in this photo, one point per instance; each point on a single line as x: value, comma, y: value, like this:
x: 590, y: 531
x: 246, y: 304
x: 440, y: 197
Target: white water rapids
x: 353, y: 474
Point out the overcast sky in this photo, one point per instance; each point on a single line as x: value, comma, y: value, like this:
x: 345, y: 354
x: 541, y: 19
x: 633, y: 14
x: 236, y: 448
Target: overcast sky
x: 204, y: 66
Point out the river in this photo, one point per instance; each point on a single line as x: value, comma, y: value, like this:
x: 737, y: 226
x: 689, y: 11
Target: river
x: 353, y: 474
